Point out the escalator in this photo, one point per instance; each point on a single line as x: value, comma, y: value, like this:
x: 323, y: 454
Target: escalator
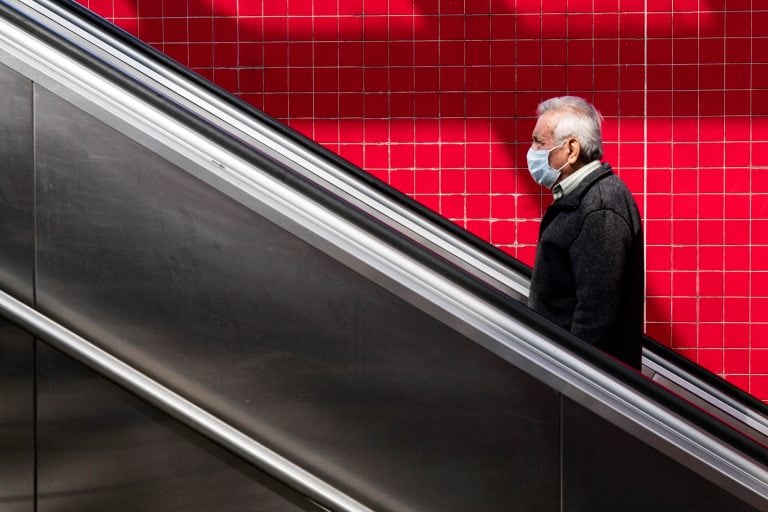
x: 203, y: 311
x: 472, y: 255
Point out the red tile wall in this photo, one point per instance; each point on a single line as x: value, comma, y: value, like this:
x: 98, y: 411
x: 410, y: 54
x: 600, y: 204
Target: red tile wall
x: 437, y: 97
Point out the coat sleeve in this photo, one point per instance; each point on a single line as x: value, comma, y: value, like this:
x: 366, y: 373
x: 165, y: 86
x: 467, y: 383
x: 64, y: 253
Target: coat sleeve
x: 598, y: 258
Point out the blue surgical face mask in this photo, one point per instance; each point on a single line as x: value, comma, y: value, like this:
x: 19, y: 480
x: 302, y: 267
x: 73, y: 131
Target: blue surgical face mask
x: 538, y: 166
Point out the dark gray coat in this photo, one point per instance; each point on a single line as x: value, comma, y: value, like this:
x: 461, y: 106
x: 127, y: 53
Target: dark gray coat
x: 588, y: 275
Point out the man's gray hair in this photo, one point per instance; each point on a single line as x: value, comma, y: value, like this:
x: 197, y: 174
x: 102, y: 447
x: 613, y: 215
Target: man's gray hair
x: 579, y: 119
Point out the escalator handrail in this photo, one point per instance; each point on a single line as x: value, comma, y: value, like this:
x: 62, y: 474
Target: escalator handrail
x: 242, y: 120
x: 707, y: 386
x: 188, y: 413
x: 518, y: 272
x: 574, y: 365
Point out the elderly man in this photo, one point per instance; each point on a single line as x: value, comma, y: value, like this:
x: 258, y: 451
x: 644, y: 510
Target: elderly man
x: 588, y: 274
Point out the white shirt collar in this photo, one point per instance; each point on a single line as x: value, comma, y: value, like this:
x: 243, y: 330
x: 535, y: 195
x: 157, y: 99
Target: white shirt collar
x: 569, y: 184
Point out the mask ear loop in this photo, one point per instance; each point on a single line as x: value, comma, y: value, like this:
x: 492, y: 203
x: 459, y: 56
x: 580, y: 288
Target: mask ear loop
x: 551, y: 150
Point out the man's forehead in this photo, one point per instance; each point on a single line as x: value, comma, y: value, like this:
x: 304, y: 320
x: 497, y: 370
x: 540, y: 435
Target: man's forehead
x: 544, y: 126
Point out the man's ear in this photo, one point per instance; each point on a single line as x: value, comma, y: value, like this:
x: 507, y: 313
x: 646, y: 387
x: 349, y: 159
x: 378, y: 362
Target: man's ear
x: 574, y: 150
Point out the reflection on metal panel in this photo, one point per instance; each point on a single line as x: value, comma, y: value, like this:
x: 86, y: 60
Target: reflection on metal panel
x: 605, y: 468
x: 16, y: 185
x: 16, y: 271
x: 296, y: 349
x: 16, y: 420
x: 100, y: 448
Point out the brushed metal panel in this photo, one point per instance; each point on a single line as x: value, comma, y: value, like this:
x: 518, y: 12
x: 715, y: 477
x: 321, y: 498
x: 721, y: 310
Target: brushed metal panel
x: 16, y: 185
x: 607, y: 469
x: 16, y: 277
x: 306, y: 355
x: 100, y: 448
x: 16, y: 419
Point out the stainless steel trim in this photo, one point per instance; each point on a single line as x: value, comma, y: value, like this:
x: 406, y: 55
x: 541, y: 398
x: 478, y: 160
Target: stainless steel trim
x: 705, y: 392
x: 180, y: 408
x: 423, y: 287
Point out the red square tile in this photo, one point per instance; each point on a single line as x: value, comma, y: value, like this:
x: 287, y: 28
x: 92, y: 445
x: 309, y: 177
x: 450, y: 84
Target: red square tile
x: 102, y: 7
x: 402, y: 180
x: 350, y: 105
x: 659, y: 79
x: 150, y: 8
x: 684, y: 233
x: 759, y: 255
x: 178, y: 52
x: 427, y: 181
x: 737, y: 284
x: 759, y: 309
x: 276, y: 105
x: 201, y: 8
x: 711, y: 257
x: 737, y: 206
x: 200, y: 29
x: 606, y: 52
x: 758, y: 336
x: 737, y: 258
x: 659, y: 284
x: 452, y: 206
x: 225, y: 56
x: 711, y: 206
x: 736, y: 361
x: 684, y: 284
x: 711, y: 232
x: 711, y: 181
x: 737, y: 334
x: 300, y: 105
x: 478, y: 157
x: 427, y: 130
x: 739, y: 76
x: 659, y: 206
x: 685, y: 21
x: 738, y: 24
x: 126, y: 9
x: 479, y: 207
x: 225, y: 30
x: 503, y: 207
x: 151, y: 30
x: 659, y: 24
x: 759, y: 75
x: 452, y: 181
x: 174, y: 8
x: 711, y: 284
x: 478, y: 182
x: 606, y: 24
x: 712, y: 360
x: 580, y: 52
x: 686, y: 103
x: 683, y: 335
x: 658, y: 232
x: 684, y: 257
x: 659, y: 179
x: 736, y: 310
x: 226, y: 78
x: 452, y: 155
x: 711, y: 51
x: 249, y: 8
